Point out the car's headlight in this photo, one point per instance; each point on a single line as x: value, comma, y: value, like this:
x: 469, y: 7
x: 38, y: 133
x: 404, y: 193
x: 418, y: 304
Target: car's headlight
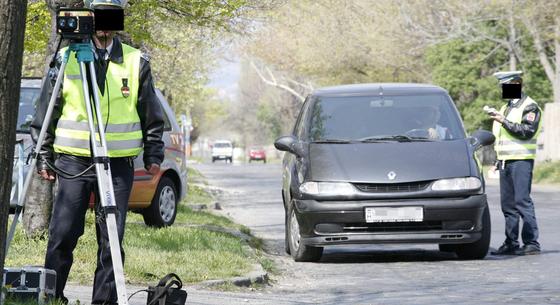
x: 457, y: 184
x: 327, y: 188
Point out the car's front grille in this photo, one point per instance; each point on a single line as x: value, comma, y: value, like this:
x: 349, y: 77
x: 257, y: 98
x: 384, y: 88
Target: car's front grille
x: 393, y: 187
x: 393, y: 226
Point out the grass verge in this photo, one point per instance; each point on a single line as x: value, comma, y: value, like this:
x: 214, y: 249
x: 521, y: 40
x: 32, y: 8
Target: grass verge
x: 547, y: 172
x: 187, y: 248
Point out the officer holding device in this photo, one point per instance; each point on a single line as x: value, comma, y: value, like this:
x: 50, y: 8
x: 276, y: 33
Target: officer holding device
x: 516, y: 128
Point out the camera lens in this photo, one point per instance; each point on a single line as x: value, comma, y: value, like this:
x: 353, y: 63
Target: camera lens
x: 72, y: 23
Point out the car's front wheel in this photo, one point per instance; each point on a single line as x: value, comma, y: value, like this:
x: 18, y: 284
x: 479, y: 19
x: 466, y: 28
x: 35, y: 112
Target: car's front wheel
x: 299, y: 251
x: 479, y: 248
x: 163, y: 209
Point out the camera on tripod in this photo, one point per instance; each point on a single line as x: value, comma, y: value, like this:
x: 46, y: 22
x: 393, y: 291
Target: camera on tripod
x: 80, y: 24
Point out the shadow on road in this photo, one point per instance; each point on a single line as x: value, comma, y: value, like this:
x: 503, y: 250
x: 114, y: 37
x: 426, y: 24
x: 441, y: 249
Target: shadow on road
x: 385, y: 256
x: 399, y: 256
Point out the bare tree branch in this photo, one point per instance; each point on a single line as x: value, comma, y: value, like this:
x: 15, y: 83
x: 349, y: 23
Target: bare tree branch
x: 539, y: 46
x: 274, y: 83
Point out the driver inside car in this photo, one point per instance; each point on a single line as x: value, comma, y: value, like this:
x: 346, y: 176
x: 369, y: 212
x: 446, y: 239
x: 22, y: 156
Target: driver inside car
x: 427, y: 119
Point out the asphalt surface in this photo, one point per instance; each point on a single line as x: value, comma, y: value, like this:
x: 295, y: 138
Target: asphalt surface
x: 385, y: 274
x: 375, y: 274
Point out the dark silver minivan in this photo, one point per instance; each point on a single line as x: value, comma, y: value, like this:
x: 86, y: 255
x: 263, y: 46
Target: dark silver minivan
x: 383, y: 163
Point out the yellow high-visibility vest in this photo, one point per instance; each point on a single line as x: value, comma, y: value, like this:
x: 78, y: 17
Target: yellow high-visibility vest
x: 118, y: 107
x: 507, y: 146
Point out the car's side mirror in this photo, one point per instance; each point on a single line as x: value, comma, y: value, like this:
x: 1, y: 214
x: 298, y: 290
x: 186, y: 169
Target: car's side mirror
x: 481, y: 138
x: 289, y: 144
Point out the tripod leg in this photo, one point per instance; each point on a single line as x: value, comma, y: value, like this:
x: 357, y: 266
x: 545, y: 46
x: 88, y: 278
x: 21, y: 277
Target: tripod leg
x: 104, y: 180
x: 37, y: 149
x: 19, y: 206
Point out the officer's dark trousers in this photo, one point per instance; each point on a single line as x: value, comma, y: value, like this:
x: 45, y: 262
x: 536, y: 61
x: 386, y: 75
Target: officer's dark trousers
x: 515, y: 189
x: 67, y: 223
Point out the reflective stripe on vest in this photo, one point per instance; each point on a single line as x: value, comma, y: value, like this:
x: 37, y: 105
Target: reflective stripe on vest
x: 509, y: 147
x: 123, y: 130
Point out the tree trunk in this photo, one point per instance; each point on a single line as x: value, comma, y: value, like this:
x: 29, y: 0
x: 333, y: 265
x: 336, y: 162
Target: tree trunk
x: 556, y: 83
x: 12, y: 29
x: 38, y: 206
x: 512, y: 38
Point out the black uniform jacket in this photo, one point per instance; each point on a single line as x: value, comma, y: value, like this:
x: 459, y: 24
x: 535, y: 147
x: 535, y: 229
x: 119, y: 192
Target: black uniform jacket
x: 529, y: 123
x: 148, y: 107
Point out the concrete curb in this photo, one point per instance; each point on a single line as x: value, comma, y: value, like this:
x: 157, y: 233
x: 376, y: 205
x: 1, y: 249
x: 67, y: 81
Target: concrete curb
x: 257, y: 276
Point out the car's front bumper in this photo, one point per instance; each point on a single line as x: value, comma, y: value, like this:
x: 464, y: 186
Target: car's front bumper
x: 221, y: 157
x: 445, y: 221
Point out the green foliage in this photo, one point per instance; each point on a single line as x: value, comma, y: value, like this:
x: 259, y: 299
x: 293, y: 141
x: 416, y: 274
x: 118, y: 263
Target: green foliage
x: 37, y: 28
x: 37, y: 32
x: 547, y: 172
x: 465, y: 69
x: 269, y: 120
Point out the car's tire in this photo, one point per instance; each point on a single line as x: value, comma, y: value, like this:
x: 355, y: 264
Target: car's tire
x: 299, y: 251
x: 250, y: 160
x: 286, y: 235
x: 230, y: 160
x: 264, y: 160
x: 479, y: 248
x: 213, y: 160
x: 163, y: 209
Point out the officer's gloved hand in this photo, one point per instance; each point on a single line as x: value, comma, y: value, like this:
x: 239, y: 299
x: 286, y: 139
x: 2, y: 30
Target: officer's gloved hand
x: 43, y: 169
x: 153, y: 169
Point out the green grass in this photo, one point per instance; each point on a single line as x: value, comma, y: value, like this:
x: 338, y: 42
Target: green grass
x: 195, y: 176
x: 186, y: 248
x: 10, y: 301
x: 197, y: 195
x: 547, y: 172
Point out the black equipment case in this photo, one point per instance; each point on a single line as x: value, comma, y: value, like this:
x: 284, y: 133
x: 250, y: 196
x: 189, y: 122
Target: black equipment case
x: 29, y: 283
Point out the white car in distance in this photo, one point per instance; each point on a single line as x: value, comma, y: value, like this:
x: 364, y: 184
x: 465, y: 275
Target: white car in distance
x: 222, y: 150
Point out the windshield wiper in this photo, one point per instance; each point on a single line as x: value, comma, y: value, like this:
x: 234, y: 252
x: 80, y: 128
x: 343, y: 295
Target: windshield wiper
x: 332, y: 141
x: 398, y: 138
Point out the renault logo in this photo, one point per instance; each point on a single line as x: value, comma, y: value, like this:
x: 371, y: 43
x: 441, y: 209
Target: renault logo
x: 391, y: 175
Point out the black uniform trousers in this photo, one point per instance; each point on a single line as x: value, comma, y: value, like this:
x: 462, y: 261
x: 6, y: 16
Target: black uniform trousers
x: 515, y: 190
x: 68, y: 217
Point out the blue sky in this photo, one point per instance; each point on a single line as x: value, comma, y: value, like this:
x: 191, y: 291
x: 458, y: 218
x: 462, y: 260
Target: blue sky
x: 225, y: 78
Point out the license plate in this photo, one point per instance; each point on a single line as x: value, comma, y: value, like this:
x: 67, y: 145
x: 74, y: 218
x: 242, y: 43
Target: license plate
x: 400, y: 214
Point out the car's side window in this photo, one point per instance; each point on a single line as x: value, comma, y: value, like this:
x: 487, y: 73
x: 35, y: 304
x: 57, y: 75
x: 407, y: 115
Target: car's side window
x: 166, y: 122
x: 299, y: 129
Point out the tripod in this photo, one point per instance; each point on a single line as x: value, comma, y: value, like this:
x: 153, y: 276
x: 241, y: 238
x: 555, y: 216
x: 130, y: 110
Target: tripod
x: 99, y: 151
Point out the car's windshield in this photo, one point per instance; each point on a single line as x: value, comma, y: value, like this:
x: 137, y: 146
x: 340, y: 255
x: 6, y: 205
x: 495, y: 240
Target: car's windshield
x: 27, y: 101
x: 222, y: 145
x: 389, y: 118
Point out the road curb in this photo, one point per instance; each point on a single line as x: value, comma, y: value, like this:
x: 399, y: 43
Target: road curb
x: 257, y: 276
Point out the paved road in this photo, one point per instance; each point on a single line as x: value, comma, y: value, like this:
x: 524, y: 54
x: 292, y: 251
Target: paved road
x: 381, y: 274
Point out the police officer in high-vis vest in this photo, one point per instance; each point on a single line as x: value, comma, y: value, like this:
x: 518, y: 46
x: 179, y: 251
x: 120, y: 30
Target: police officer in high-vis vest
x: 134, y: 123
x: 516, y: 127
